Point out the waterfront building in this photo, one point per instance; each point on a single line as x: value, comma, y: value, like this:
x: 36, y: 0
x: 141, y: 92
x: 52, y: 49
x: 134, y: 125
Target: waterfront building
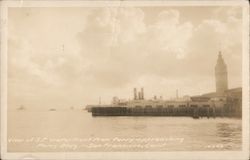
x: 222, y: 102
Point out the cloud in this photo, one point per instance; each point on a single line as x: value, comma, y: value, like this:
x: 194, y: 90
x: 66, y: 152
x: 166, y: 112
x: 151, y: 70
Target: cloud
x: 168, y: 34
x: 134, y: 48
x: 107, y: 51
x: 212, y: 36
x: 47, y: 49
x: 112, y: 26
x: 166, y: 43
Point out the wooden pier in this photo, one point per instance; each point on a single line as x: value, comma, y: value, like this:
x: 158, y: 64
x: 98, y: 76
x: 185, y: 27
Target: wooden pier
x: 192, y: 111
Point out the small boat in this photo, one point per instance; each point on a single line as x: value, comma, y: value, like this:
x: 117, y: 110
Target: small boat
x: 52, y: 109
x: 196, y: 117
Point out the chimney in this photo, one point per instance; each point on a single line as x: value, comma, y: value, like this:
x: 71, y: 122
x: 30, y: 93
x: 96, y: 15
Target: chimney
x: 142, y: 93
x: 100, y: 100
x: 135, y: 94
x: 155, y: 97
x: 139, y: 95
x: 177, y: 95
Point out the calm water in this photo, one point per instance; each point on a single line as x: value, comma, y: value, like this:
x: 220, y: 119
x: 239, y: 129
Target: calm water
x: 77, y: 130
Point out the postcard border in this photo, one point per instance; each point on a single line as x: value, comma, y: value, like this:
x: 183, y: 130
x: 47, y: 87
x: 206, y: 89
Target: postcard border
x: 128, y: 155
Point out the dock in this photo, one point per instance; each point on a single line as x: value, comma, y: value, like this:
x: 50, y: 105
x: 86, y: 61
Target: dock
x: 195, y: 112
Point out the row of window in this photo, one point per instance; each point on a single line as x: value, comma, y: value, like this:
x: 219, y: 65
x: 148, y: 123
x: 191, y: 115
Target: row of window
x: 168, y: 106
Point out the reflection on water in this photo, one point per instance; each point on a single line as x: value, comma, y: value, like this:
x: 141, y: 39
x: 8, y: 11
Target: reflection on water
x: 226, y: 131
x: 178, y: 133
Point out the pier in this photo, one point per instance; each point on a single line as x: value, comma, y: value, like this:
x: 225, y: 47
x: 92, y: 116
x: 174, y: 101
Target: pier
x: 193, y: 111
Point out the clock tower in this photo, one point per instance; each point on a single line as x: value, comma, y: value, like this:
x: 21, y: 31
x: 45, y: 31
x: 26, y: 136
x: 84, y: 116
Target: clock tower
x: 221, y: 75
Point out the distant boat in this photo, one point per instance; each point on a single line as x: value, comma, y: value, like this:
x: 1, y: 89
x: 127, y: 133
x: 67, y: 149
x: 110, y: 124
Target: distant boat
x: 52, y: 109
x: 196, y: 117
x: 21, y: 108
x: 72, y: 108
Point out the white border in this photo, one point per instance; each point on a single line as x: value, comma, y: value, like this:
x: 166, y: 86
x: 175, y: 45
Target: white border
x: 244, y: 154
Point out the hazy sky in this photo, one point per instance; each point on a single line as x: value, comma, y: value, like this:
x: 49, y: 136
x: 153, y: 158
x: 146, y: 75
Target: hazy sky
x: 62, y: 57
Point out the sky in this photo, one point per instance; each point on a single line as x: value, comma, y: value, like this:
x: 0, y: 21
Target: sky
x: 63, y: 57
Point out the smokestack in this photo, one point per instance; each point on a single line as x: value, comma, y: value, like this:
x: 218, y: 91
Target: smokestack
x: 142, y: 93
x: 177, y: 96
x: 155, y: 97
x: 100, y: 100
x: 135, y: 94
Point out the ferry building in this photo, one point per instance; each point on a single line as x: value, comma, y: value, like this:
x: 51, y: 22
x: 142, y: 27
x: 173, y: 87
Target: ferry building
x: 222, y: 102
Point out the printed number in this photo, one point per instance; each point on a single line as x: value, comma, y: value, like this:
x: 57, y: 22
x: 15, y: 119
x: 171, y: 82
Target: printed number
x: 215, y: 146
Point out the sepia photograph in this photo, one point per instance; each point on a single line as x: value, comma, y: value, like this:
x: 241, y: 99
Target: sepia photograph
x: 124, y: 80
